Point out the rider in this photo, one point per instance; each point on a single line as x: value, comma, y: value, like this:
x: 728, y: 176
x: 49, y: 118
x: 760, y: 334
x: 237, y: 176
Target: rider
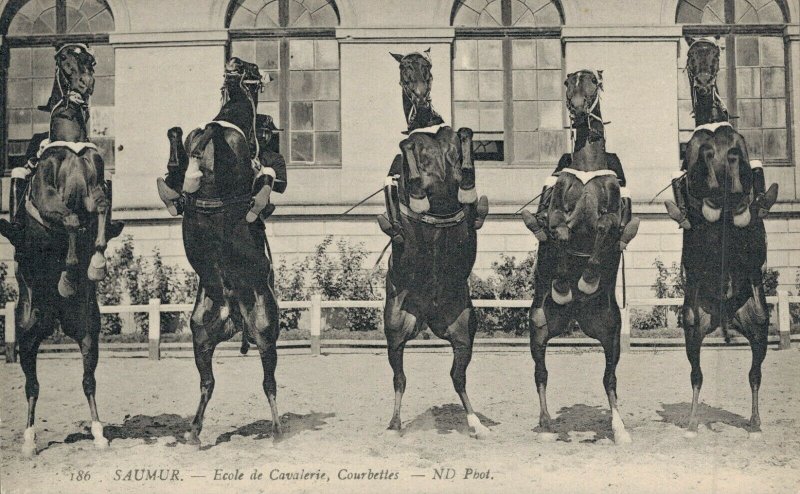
x: 21, y: 177
x: 273, y: 166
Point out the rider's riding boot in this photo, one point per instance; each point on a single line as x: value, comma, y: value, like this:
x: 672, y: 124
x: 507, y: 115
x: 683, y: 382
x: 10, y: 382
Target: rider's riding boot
x: 764, y: 198
x: 169, y: 188
x: 629, y: 226
x: 389, y: 222
x: 262, y: 187
x: 538, y: 223
x: 14, y: 230
x: 113, y: 228
x: 679, y: 209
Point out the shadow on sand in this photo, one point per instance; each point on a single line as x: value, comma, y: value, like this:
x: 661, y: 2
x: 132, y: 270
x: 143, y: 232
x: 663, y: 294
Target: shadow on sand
x: 580, y: 418
x: 678, y: 414
x: 292, y: 424
x: 145, y: 427
x: 445, y: 419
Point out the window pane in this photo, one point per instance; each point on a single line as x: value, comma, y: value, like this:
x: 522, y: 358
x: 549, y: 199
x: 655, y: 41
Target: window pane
x: 550, y: 84
x: 490, y: 85
x: 41, y: 91
x: 526, y: 146
x: 526, y: 115
x: 326, y: 115
x: 749, y: 113
x: 302, y: 147
x: 301, y: 54
x: 273, y: 110
x: 268, y: 55
x: 548, y: 53
x: 19, y: 93
x: 326, y: 54
x: 775, y: 144
x: 19, y: 124
x: 327, y: 147
x: 773, y: 113
x: 550, y: 115
x: 19, y: 62
x: 755, y: 147
x: 272, y: 89
x: 748, y: 83
x: 301, y: 85
x: 465, y: 85
x: 490, y: 54
x: 465, y: 114
x: 466, y: 55
x: 523, y: 54
x: 491, y: 116
x: 524, y: 82
x: 747, y: 52
x: 103, y: 91
x: 773, y: 82
x: 327, y: 84
x: 44, y: 64
x: 552, y: 144
x: 771, y: 51
x: 104, y: 56
x: 246, y: 50
x: 302, y: 116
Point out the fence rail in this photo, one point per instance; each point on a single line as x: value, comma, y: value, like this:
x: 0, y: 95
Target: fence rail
x: 155, y: 308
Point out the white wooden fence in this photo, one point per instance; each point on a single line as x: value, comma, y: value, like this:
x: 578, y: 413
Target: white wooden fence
x: 316, y: 305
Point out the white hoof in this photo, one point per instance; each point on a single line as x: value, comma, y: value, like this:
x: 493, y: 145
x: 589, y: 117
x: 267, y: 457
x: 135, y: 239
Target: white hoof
x: 710, y: 213
x: 477, y: 429
x: 588, y: 288
x: 742, y: 220
x: 467, y: 196
x: 100, y: 442
x: 419, y: 205
x: 65, y: 287
x: 622, y: 437
x: 97, y: 267
x: 690, y: 434
x: 561, y: 299
x: 29, y: 446
x: 754, y: 436
x: 547, y: 437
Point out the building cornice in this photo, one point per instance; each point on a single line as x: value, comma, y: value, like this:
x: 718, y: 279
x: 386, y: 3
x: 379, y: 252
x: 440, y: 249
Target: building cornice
x: 626, y: 34
x: 394, y: 35
x: 177, y: 38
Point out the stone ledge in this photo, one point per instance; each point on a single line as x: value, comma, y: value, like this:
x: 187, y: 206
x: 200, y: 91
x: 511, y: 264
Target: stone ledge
x: 177, y: 38
x: 600, y: 34
x: 404, y: 34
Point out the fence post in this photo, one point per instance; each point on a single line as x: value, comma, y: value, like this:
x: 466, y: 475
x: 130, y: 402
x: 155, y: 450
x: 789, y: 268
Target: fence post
x: 784, y: 320
x: 11, y: 332
x: 154, y: 328
x: 625, y: 333
x: 316, y: 323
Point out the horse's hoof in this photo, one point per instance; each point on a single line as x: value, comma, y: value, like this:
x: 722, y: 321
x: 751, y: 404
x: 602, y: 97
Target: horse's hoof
x: 65, y: 287
x: 395, y: 425
x: 100, y: 442
x: 562, y: 233
x: 547, y: 437
x: 419, y: 205
x: 191, y: 181
x: 29, y: 446
x: 97, y: 267
x: 622, y: 437
x: 588, y: 287
x: 477, y: 429
x: 710, y: 213
x: 560, y: 298
x: 192, y: 439
x: 690, y: 434
x: 754, y: 435
x: 743, y: 219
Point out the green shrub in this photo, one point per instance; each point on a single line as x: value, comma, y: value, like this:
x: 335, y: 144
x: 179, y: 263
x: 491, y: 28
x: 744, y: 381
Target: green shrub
x: 509, y: 281
x: 290, y: 284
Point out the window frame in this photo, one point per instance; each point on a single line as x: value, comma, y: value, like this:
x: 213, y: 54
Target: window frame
x: 506, y: 34
x: 33, y: 41
x: 729, y: 32
x: 285, y: 35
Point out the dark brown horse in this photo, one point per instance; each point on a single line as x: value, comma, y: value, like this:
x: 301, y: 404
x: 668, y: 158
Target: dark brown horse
x: 576, y: 270
x: 225, y: 247
x: 61, y: 255
x: 433, y: 212
x: 721, y: 201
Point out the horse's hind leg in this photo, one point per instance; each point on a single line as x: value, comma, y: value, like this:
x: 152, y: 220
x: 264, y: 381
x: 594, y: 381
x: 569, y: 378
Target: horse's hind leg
x: 263, y: 321
x: 463, y: 330
x: 607, y: 328
x: 205, y: 325
x: 28, y: 349
x: 90, y: 352
x: 694, y: 325
x: 539, y: 337
x: 752, y: 322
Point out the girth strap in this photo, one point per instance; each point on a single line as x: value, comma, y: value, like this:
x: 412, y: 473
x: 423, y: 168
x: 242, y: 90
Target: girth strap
x: 438, y: 221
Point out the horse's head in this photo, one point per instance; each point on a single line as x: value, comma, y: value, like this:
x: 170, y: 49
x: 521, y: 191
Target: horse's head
x: 75, y: 66
x: 416, y: 80
x: 583, y: 92
x: 702, y: 64
x: 244, y: 77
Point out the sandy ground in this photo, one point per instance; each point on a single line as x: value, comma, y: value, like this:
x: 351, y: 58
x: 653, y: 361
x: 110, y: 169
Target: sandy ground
x: 336, y: 408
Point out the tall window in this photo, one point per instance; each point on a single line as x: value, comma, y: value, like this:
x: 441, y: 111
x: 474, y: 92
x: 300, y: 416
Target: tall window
x: 507, y: 79
x: 753, y: 75
x: 294, y: 42
x: 33, y: 28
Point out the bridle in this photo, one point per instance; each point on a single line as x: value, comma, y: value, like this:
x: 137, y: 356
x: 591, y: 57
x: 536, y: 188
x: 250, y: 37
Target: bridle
x: 587, y: 108
x: 712, y: 81
x: 67, y: 94
x: 410, y: 95
x: 246, y: 85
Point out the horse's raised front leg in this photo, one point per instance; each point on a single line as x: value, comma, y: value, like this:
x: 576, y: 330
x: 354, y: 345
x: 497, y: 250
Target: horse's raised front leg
x: 67, y: 284
x: 463, y: 331
x: 604, y: 242
x: 99, y: 203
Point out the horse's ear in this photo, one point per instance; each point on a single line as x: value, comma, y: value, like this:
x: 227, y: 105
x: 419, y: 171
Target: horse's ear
x: 689, y: 40
x: 427, y: 54
x: 397, y: 57
x: 600, y: 75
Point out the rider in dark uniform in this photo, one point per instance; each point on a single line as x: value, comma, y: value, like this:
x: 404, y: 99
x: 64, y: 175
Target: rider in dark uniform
x: 270, y: 157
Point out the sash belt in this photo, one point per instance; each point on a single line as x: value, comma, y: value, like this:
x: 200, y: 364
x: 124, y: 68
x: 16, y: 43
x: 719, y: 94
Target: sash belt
x: 434, y: 220
x: 215, y: 205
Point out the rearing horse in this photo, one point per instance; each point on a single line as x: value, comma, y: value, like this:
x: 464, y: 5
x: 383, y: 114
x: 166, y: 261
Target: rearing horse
x: 433, y: 212
x: 576, y: 269
x: 226, y: 248
x: 61, y: 255
x: 721, y: 201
